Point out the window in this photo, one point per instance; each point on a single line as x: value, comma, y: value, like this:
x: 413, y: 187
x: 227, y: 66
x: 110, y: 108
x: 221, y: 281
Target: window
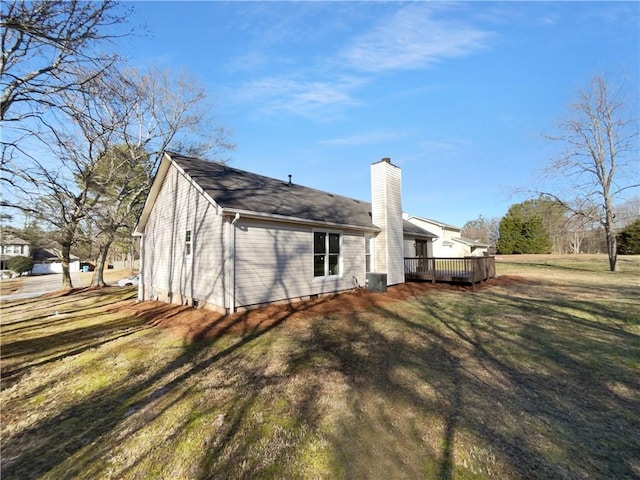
x: 13, y: 249
x: 421, y: 248
x: 326, y: 254
x: 187, y: 243
x: 368, y: 248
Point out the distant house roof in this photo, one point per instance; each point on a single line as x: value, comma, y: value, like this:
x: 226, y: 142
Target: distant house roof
x: 241, y: 191
x: 11, y: 239
x: 471, y: 243
x: 438, y: 223
x: 44, y: 255
x: 413, y: 229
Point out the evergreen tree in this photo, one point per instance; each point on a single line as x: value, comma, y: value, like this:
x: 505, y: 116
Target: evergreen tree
x: 628, y: 240
x: 509, y: 232
x: 522, y: 231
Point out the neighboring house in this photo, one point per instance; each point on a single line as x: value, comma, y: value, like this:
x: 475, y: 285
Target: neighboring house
x: 12, y: 246
x: 224, y: 238
x: 49, y: 260
x: 449, y: 242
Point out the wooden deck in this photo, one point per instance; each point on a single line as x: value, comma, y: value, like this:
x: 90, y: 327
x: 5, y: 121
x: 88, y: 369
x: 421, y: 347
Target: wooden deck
x: 469, y: 270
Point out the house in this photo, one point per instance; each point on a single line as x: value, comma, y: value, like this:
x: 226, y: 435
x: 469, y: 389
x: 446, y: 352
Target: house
x: 449, y: 242
x: 49, y: 260
x: 12, y: 246
x: 224, y: 238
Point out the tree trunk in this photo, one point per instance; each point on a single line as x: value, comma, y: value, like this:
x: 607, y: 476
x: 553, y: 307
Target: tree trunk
x: 98, y: 275
x: 610, y: 230
x: 611, y: 247
x: 65, y: 245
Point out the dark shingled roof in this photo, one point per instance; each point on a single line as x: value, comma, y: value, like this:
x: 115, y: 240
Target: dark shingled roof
x: 241, y: 190
x: 413, y: 229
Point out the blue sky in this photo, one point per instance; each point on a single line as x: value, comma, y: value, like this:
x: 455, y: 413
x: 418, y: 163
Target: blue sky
x: 456, y: 94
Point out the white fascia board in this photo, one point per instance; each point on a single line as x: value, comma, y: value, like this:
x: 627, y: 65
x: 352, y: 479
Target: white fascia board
x: 299, y: 221
x: 158, y: 180
x: 419, y: 235
x: 470, y: 243
x: 446, y: 226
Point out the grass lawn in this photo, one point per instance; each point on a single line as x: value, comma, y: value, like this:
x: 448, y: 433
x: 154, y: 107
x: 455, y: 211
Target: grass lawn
x: 534, y: 375
x: 10, y: 285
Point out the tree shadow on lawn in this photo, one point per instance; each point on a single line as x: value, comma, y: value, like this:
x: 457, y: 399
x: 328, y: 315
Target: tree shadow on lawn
x: 563, y: 415
x: 69, y: 433
x: 404, y: 398
x: 519, y: 400
x: 33, y: 314
x: 25, y: 347
x: 417, y: 389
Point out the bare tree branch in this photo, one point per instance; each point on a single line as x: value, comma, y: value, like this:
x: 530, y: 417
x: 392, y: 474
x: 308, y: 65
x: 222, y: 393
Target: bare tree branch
x: 43, y: 42
x: 601, y: 142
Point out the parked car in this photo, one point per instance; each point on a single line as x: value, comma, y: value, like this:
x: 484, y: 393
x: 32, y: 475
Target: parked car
x: 125, y: 282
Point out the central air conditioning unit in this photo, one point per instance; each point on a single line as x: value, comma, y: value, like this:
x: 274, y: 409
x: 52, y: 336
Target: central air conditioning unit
x: 377, y: 282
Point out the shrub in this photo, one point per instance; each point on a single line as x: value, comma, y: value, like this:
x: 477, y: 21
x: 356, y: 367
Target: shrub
x: 20, y: 264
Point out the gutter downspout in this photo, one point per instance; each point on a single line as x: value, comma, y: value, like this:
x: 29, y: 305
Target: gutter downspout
x: 231, y: 242
x: 141, y: 270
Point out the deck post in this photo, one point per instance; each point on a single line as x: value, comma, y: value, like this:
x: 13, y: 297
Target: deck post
x: 473, y: 274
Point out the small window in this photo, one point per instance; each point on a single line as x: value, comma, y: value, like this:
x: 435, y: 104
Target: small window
x: 368, y: 248
x: 187, y: 243
x: 326, y: 254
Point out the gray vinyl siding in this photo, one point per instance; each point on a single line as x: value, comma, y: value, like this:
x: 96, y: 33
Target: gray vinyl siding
x: 180, y: 207
x: 274, y: 262
x: 409, y: 247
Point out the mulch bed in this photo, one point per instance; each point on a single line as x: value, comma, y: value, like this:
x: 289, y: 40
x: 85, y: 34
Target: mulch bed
x: 198, y: 324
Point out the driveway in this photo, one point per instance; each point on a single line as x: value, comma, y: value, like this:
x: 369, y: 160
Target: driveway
x: 38, y: 285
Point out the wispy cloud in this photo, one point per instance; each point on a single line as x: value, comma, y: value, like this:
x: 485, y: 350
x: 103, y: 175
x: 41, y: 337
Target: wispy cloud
x: 413, y: 38
x: 405, y: 37
x: 309, y: 98
x: 365, y: 138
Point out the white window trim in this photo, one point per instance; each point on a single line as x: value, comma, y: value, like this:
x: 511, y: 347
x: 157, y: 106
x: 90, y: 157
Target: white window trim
x: 369, y: 240
x: 188, y: 244
x: 340, y: 255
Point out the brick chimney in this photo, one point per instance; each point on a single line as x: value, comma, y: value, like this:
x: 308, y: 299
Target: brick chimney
x: 386, y: 206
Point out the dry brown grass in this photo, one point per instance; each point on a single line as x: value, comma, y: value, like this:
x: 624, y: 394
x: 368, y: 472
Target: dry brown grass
x: 10, y: 285
x: 534, y: 375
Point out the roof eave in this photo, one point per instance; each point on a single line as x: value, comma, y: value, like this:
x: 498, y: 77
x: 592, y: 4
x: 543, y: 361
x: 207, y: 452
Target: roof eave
x: 163, y: 169
x: 296, y: 220
x: 158, y: 180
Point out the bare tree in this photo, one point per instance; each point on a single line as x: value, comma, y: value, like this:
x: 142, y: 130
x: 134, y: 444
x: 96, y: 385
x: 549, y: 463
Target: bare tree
x: 628, y: 212
x: 107, y: 141
x: 482, y: 229
x: 66, y: 185
x: 44, y: 42
x: 151, y: 112
x: 601, y: 144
